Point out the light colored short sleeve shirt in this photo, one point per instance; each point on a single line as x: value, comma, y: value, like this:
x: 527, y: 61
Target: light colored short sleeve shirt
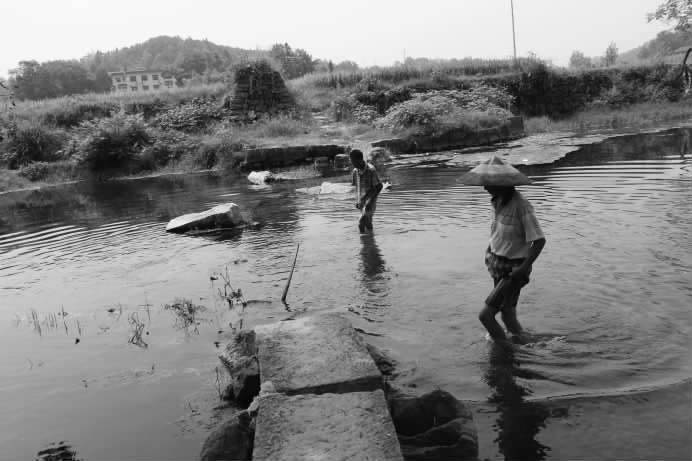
x: 368, y: 178
x: 514, y: 227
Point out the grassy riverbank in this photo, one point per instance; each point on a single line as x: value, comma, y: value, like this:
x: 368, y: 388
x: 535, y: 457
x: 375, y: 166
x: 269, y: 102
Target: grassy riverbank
x: 188, y: 129
x: 634, y: 117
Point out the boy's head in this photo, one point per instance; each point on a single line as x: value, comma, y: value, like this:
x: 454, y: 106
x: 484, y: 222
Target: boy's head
x: 357, y: 159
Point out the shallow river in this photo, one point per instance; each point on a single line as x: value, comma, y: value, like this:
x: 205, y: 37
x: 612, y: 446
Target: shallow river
x: 606, y: 376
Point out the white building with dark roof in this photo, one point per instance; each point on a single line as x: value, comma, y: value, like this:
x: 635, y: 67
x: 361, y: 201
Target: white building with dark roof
x: 141, y: 80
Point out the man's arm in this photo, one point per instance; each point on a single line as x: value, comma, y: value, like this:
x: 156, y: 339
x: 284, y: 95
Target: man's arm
x: 534, y: 251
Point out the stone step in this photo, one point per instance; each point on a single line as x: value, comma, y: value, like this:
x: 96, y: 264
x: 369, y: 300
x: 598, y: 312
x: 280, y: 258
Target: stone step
x: 315, y: 354
x: 332, y: 427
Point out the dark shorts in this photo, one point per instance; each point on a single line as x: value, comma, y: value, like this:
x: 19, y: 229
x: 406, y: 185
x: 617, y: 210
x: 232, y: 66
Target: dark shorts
x: 500, y: 268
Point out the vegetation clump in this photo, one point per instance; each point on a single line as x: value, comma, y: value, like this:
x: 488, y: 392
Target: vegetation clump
x: 110, y: 143
x: 192, y: 115
x: 185, y: 314
x: 437, y: 111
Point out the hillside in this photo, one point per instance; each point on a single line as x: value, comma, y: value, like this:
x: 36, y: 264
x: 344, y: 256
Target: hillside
x: 657, y: 49
x: 184, y: 58
x: 171, y: 53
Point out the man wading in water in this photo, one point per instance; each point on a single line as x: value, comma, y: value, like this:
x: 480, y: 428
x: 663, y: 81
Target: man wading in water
x: 368, y: 187
x: 516, y: 240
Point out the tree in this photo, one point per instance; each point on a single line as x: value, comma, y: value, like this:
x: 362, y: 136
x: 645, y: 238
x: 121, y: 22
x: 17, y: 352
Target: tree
x: 195, y: 62
x: 294, y: 63
x: 679, y: 11
x: 34, y: 80
x: 346, y: 66
x: 611, y: 55
x: 579, y: 61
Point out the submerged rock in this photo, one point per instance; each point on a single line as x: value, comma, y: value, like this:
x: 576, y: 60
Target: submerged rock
x: 233, y: 440
x: 226, y: 215
x: 434, y: 426
x: 261, y: 177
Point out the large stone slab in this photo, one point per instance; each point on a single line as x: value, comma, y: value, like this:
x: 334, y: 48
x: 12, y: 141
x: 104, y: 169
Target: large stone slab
x: 226, y: 215
x: 334, y: 427
x: 317, y: 354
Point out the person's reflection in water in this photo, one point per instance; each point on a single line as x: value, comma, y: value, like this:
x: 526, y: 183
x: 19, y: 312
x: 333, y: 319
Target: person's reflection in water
x: 519, y: 421
x: 685, y: 143
x: 372, y: 266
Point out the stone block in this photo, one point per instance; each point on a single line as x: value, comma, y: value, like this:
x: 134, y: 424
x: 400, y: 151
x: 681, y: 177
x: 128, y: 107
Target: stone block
x: 334, y: 427
x: 316, y: 354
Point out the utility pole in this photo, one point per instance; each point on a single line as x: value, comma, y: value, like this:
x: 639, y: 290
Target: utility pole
x: 514, y: 38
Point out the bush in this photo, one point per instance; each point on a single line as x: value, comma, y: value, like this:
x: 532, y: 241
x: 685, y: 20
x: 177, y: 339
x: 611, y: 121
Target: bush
x: 35, y: 171
x: 31, y: 142
x: 74, y: 112
x: 165, y: 147
x: 191, y: 116
x: 110, y: 143
x: 437, y: 111
x: 280, y: 126
x: 148, y: 109
x: 349, y: 109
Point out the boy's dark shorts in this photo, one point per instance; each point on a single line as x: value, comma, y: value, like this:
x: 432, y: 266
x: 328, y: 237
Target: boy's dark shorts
x: 500, y: 268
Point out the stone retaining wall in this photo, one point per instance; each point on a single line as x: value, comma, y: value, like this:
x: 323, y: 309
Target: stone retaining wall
x: 272, y: 157
x: 455, y: 138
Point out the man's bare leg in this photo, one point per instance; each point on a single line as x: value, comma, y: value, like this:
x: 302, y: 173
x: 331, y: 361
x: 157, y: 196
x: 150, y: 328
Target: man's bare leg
x: 509, y: 318
x: 487, y: 318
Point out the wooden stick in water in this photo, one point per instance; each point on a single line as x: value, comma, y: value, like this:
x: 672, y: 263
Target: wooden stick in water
x: 290, y: 276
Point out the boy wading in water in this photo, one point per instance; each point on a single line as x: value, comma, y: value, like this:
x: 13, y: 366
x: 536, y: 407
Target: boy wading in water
x: 368, y: 187
x: 516, y: 240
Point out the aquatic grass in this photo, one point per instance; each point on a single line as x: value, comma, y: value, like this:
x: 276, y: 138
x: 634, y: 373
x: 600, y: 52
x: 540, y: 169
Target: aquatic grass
x: 137, y: 329
x: 36, y: 322
x: 185, y: 312
x: 229, y: 295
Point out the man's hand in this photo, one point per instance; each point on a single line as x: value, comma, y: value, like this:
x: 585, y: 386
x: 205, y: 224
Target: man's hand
x: 359, y: 205
x: 521, y: 272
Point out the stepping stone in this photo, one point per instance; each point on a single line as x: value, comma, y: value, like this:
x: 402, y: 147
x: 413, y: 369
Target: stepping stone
x: 332, y: 427
x: 317, y: 354
x: 225, y: 215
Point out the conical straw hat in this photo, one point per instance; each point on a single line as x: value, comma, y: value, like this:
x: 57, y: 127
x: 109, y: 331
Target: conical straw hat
x: 495, y: 172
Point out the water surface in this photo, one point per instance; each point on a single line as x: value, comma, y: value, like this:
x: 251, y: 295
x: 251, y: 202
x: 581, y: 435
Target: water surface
x: 608, y: 305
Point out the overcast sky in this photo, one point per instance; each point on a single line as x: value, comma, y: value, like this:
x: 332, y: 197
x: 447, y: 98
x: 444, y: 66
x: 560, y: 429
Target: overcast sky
x: 369, y: 32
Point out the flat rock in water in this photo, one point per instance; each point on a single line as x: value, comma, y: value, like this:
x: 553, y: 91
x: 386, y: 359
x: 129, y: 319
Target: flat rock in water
x: 332, y: 427
x: 317, y: 354
x: 226, y: 215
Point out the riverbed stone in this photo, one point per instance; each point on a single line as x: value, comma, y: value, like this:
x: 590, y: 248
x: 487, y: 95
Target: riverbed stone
x: 435, y: 425
x: 225, y: 215
x: 233, y: 440
x: 317, y: 354
x: 239, y: 357
x: 330, y: 427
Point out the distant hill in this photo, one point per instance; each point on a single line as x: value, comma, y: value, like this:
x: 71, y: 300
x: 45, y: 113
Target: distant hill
x: 184, y: 58
x: 181, y: 56
x: 656, y: 50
